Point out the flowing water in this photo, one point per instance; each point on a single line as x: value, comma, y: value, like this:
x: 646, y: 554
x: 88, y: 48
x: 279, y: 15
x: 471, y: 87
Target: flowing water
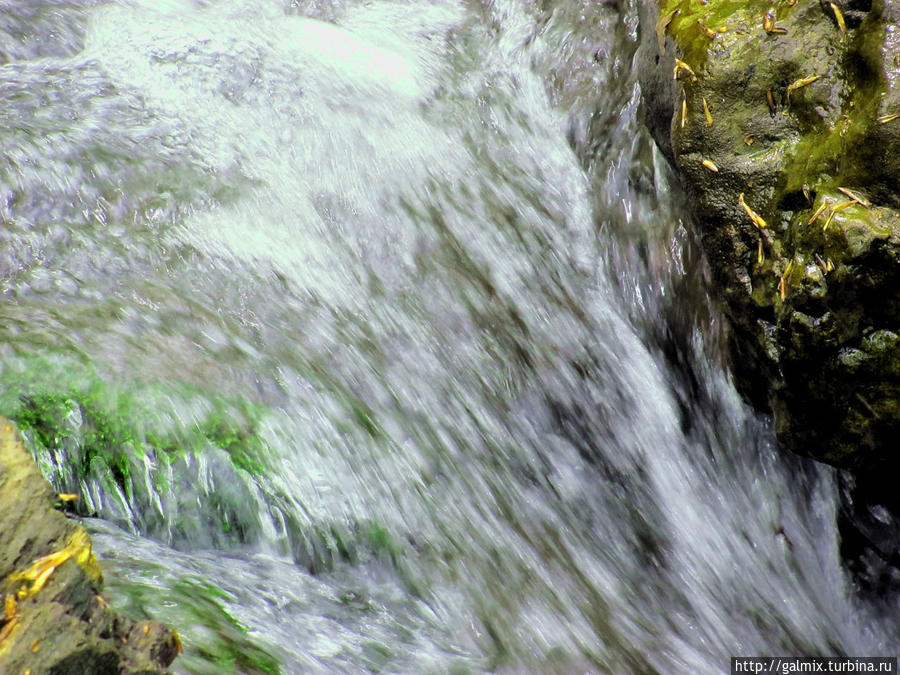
x: 373, y: 337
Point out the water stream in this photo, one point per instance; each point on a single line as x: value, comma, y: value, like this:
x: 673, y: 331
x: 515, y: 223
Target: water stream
x: 374, y: 338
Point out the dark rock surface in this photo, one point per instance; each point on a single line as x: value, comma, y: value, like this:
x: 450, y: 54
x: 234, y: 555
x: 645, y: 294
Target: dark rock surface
x: 53, y: 619
x: 782, y: 120
x: 797, y: 116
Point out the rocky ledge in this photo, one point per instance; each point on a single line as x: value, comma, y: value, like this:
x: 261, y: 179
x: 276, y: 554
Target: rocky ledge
x: 53, y: 619
x: 783, y: 120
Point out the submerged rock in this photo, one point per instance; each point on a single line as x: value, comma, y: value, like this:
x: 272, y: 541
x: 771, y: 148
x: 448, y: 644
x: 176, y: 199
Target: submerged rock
x: 53, y: 618
x: 783, y: 121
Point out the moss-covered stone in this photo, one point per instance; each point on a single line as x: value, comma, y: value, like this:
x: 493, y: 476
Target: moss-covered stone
x: 165, y: 460
x: 776, y: 105
x: 53, y: 619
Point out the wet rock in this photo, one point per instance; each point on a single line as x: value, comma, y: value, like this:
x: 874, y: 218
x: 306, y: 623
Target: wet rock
x: 869, y: 525
x: 53, y: 618
x: 783, y: 121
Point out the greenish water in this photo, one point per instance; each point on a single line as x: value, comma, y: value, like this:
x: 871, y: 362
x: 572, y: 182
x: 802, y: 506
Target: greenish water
x: 372, y: 337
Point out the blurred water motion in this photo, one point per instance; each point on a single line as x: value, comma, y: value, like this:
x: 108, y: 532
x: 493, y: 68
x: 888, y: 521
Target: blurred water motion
x: 404, y: 337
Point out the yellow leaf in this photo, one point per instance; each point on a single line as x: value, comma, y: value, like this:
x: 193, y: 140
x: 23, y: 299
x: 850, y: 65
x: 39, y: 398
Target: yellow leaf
x: 817, y: 213
x: 10, y: 607
x: 839, y: 17
x: 754, y: 216
x: 839, y: 207
x: 682, y: 66
x: 856, y: 196
x: 797, y: 84
x: 8, y: 628
x: 707, y: 31
x: 782, y: 283
x: 709, y: 119
x: 78, y: 546
x: 179, y: 647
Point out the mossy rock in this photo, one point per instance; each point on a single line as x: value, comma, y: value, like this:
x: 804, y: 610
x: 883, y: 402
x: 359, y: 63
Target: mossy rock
x: 53, y: 617
x: 168, y: 461
x: 783, y: 122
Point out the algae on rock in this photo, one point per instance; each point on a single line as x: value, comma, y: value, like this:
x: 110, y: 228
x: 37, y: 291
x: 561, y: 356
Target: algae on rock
x: 790, y: 111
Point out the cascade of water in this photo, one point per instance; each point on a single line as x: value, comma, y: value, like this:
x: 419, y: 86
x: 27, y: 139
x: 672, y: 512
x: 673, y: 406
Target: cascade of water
x: 372, y: 336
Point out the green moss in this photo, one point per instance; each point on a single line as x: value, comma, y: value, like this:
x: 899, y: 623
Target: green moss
x: 115, y: 449
x: 836, y: 153
x: 377, y: 655
x: 365, y: 418
x: 228, y: 646
x: 104, y: 420
x: 321, y: 546
x: 102, y: 437
x: 823, y: 152
x: 796, y: 118
x: 835, y: 156
x: 233, y: 426
x: 212, y: 636
x: 380, y: 541
x: 687, y: 25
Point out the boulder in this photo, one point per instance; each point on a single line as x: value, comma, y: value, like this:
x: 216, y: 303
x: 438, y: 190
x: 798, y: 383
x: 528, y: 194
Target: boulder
x: 783, y: 122
x: 53, y: 618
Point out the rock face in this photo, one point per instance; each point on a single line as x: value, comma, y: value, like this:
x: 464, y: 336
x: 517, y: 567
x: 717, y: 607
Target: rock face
x: 783, y: 120
x: 53, y: 620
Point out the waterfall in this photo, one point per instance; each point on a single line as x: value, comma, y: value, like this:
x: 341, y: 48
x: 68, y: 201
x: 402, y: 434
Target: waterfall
x: 374, y: 336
